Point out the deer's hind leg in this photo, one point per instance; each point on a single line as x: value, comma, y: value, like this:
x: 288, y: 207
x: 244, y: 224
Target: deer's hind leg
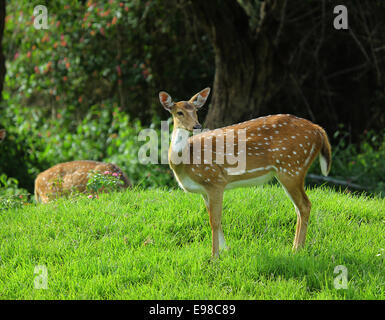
x: 294, y: 188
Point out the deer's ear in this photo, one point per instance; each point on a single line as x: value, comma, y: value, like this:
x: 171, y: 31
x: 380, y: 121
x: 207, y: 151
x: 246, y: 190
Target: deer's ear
x: 200, y: 98
x: 165, y: 100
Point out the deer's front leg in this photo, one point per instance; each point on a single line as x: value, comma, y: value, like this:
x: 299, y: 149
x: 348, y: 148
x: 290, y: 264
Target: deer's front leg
x: 213, y: 200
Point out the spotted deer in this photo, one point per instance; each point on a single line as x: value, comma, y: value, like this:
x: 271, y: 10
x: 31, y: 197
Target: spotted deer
x: 65, y: 178
x: 281, y: 146
x: 2, y: 134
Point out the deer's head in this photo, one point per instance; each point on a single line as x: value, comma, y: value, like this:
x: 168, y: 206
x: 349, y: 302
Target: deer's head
x: 184, y: 113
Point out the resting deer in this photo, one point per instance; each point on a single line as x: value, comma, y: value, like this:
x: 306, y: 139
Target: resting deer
x: 67, y: 177
x: 281, y: 146
x: 2, y: 134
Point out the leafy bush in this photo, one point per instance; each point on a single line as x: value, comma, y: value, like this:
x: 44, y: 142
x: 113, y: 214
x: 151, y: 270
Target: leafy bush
x: 100, y: 51
x: 103, y: 182
x: 362, y: 164
x: 11, y: 195
x: 106, y: 133
x: 77, y: 89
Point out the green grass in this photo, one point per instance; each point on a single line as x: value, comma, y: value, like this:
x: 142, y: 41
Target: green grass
x: 156, y: 244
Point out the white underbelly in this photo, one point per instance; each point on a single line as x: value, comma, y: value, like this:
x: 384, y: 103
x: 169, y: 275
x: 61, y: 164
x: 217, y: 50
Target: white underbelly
x: 250, y: 182
x: 189, y: 185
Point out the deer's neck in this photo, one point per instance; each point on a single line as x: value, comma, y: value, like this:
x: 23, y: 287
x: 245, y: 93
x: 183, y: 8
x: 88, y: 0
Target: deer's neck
x: 179, y: 140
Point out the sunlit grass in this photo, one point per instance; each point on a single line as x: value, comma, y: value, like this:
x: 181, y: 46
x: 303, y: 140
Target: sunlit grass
x: 156, y: 244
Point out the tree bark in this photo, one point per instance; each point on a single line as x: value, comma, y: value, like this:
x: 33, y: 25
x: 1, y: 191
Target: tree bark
x: 245, y: 63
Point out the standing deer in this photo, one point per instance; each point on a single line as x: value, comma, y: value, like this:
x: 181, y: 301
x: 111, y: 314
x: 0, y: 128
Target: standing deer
x: 281, y: 146
x: 2, y: 134
x: 67, y: 177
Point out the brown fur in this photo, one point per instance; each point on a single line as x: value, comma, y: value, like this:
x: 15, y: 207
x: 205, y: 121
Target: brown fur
x: 2, y: 134
x: 281, y: 146
x: 67, y: 177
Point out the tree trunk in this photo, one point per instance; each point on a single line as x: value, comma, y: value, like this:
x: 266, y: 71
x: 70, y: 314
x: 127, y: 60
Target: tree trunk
x: 245, y: 64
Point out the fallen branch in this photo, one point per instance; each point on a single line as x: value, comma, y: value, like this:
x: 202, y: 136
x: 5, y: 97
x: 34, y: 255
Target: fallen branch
x: 335, y: 181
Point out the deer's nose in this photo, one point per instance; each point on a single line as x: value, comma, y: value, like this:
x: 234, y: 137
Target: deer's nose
x: 197, y: 126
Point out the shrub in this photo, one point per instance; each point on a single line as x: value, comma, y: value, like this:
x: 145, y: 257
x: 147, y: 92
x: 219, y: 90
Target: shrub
x: 11, y: 196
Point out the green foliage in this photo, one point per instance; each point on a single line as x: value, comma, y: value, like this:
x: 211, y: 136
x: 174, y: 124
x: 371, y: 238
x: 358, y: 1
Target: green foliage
x: 106, y: 133
x: 362, y: 164
x: 103, y: 182
x: 11, y: 195
x: 96, y: 51
x: 76, y: 90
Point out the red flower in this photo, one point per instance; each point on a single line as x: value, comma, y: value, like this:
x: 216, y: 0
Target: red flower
x: 119, y: 70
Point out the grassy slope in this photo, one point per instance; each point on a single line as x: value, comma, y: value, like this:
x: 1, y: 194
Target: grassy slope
x: 156, y: 245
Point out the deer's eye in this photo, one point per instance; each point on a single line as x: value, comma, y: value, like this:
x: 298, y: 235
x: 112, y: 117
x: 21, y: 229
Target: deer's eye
x: 180, y: 113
